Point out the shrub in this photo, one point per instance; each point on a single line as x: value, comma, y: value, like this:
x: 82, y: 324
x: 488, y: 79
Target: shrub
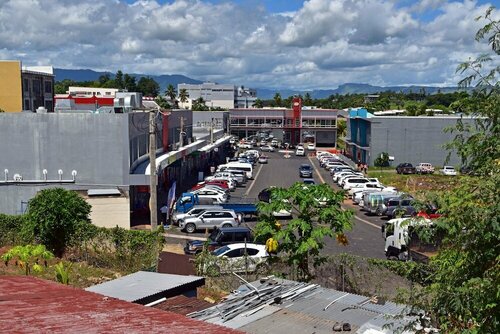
x: 53, y: 216
x: 10, y: 230
x: 382, y: 160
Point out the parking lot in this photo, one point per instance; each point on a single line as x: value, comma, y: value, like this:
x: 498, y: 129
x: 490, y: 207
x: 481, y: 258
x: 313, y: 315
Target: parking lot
x: 365, y: 238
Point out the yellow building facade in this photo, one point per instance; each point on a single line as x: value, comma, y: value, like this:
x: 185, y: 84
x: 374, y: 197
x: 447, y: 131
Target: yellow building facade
x: 11, y: 97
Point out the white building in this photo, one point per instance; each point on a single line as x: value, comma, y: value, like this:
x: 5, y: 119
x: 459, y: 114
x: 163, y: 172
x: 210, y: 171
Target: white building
x: 218, y: 95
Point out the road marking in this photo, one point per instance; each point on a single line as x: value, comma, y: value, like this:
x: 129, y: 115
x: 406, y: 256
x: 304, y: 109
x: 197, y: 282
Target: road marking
x: 253, y: 182
x: 366, y: 222
x: 317, y: 171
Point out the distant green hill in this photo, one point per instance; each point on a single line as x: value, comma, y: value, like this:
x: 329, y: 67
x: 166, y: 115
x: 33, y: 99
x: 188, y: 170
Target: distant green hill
x: 90, y: 75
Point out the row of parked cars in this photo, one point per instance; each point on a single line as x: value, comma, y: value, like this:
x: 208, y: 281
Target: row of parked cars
x: 423, y: 168
x: 230, y: 243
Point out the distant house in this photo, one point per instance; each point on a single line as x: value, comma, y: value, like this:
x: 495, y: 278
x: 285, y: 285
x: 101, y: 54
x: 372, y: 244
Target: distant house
x: 371, y: 98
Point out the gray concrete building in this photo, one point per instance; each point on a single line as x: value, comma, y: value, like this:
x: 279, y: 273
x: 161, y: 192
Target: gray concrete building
x: 103, y: 156
x: 413, y: 139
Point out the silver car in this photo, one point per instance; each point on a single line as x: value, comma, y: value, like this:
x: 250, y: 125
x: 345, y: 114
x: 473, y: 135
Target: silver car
x: 209, y: 220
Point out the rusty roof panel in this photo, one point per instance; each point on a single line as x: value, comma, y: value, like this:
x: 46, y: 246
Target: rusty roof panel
x: 182, y: 305
x: 49, y: 307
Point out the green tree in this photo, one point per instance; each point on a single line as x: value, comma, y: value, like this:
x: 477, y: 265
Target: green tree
x: 53, y: 216
x: 317, y: 215
x: 411, y: 109
x: 119, y: 80
x: 170, y: 92
x: 199, y: 105
x: 183, y: 95
x: 148, y: 86
x: 277, y: 100
x: 382, y: 160
x: 308, y: 100
x: 129, y: 83
x: 464, y: 284
x: 160, y: 100
x: 103, y: 79
x: 28, y: 257
x: 258, y: 103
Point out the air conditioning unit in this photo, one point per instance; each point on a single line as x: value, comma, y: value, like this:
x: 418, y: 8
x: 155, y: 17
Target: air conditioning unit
x: 18, y: 177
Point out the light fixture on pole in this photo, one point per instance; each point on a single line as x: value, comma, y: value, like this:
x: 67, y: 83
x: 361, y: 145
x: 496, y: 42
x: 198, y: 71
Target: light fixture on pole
x: 44, y: 172
x: 60, y: 172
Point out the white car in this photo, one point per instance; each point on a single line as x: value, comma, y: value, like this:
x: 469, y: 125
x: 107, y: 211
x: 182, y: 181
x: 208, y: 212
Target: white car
x: 217, y: 196
x: 311, y: 146
x: 267, y: 148
x: 231, y: 258
x: 448, y: 170
x: 300, y: 151
x: 245, y: 145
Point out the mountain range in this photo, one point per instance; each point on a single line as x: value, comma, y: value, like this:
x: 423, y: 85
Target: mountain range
x: 263, y: 93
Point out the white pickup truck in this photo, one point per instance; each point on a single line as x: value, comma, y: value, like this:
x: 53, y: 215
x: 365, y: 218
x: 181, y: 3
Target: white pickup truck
x: 424, y: 168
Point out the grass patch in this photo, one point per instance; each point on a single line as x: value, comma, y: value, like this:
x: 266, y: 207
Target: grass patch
x: 417, y: 184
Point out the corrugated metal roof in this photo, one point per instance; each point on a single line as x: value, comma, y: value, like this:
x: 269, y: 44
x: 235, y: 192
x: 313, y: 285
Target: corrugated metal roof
x: 302, y: 313
x: 33, y: 305
x: 143, y: 284
x: 182, y: 305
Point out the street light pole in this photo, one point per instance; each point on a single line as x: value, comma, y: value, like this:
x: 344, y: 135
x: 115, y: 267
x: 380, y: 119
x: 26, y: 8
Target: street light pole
x: 153, y: 204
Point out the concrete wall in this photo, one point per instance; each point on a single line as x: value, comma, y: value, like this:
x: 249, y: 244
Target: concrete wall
x: 412, y: 139
x: 11, y: 98
x: 95, y: 145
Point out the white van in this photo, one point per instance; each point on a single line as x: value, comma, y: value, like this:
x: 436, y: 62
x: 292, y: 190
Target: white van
x: 300, y: 151
x: 243, y: 166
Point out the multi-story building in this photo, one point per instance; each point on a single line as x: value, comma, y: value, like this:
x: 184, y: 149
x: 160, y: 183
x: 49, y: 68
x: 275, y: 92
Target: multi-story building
x: 289, y: 125
x: 26, y: 87
x: 411, y: 139
x: 219, y: 95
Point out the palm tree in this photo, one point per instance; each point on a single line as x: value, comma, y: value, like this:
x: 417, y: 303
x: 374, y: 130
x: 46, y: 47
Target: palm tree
x: 183, y: 95
x: 170, y: 92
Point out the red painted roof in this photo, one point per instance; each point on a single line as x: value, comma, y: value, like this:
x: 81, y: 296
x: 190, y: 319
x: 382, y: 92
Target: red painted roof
x: 33, y: 305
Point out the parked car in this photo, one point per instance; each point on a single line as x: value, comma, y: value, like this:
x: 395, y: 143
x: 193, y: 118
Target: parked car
x: 424, y: 168
x: 353, y: 182
x: 194, y: 211
x: 309, y: 181
x: 267, y: 148
x: 311, y: 147
x: 300, y: 151
x: 239, y: 257
x: 448, y: 170
x: 209, y: 220
x: 218, y: 238
x: 392, y: 207
x: 215, y: 195
x: 405, y: 168
x: 305, y: 170
x: 263, y: 159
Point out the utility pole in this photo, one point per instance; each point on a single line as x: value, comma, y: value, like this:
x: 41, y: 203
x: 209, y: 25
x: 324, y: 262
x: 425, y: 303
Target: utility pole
x: 153, y: 204
x: 181, y: 133
x: 212, y: 131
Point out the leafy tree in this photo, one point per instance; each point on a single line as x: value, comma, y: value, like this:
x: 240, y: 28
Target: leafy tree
x: 277, y: 100
x: 308, y: 100
x: 28, y: 257
x: 119, y: 80
x: 129, y: 83
x: 183, y: 95
x: 53, y: 216
x: 382, y: 160
x: 160, y: 100
x: 170, y: 92
x: 464, y: 284
x: 411, y: 109
x: 148, y: 87
x: 199, y: 105
x: 104, y: 78
x: 317, y: 215
x: 258, y: 103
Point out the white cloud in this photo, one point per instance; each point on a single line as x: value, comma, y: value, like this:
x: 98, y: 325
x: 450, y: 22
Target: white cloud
x: 323, y: 44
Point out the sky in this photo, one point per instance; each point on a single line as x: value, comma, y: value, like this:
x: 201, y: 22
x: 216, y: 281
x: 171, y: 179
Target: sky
x: 314, y: 44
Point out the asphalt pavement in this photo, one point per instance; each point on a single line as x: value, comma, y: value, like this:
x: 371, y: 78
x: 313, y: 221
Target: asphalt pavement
x: 365, y: 238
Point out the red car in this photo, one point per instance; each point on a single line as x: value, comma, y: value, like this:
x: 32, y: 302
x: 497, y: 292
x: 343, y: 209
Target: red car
x: 219, y: 185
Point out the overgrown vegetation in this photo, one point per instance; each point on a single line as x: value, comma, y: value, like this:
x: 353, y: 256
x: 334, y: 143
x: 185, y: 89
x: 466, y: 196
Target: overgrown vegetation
x: 62, y: 213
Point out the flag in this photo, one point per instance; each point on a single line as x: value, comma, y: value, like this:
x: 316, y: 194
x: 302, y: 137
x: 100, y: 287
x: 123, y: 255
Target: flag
x: 171, y: 198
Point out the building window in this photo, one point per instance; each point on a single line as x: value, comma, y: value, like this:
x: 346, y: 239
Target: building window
x: 37, y: 89
x: 26, y: 85
x: 49, y: 105
x: 48, y: 87
x: 27, y: 104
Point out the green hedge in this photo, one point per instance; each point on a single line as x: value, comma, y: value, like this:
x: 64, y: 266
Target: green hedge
x: 11, y: 230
